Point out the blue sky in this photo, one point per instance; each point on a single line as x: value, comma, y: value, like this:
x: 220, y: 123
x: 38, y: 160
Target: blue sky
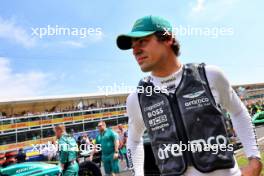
x: 62, y: 65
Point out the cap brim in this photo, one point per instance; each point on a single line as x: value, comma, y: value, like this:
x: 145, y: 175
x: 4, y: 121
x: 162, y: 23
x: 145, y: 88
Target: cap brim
x: 124, y: 41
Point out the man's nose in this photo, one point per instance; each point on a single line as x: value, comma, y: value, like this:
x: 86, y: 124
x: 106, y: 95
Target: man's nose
x: 137, y: 51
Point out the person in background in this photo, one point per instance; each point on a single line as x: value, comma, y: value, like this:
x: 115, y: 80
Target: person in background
x: 109, y: 147
x: 53, y: 151
x: 122, y: 144
x: 85, y: 139
x: 21, y: 156
x: 67, y: 147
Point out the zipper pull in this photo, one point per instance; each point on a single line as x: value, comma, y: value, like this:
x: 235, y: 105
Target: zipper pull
x: 198, y: 119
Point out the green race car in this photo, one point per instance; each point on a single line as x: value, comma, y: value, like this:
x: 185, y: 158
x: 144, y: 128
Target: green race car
x: 10, y: 167
x: 31, y: 168
x: 87, y: 168
x: 258, y: 118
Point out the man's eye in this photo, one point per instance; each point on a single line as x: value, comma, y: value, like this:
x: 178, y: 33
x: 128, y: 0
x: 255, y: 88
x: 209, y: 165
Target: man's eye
x: 142, y: 42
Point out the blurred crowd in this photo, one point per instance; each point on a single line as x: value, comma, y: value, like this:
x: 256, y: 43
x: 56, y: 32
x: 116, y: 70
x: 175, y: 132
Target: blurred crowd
x: 255, y: 107
x: 58, y: 110
x: 83, y: 140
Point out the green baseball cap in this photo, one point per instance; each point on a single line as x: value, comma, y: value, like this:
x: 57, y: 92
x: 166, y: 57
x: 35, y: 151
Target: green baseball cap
x: 143, y: 27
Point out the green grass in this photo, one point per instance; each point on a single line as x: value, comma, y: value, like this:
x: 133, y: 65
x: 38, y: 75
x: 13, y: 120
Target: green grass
x: 243, y: 161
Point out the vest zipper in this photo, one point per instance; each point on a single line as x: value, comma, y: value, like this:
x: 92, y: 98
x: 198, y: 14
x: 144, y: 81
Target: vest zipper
x: 180, y: 128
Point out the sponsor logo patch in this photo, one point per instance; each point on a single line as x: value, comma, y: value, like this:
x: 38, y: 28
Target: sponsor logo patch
x: 194, y: 95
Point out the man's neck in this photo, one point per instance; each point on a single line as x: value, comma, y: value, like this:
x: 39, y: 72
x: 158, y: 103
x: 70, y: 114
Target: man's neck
x: 103, y: 131
x: 58, y: 137
x: 167, y: 68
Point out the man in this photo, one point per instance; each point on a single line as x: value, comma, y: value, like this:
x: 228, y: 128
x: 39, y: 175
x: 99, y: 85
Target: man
x: 182, y: 109
x: 68, y: 148
x: 109, y: 146
x: 86, y: 140
x: 122, y: 143
x: 49, y: 152
x: 21, y: 156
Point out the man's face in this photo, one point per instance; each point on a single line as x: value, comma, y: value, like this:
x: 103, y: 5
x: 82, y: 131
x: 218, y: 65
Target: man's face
x: 58, y: 132
x: 149, y: 52
x: 101, y: 127
x: 120, y: 127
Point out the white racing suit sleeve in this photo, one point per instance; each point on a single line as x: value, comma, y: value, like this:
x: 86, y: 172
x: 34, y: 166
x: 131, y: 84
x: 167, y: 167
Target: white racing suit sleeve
x: 136, y: 128
x: 230, y: 101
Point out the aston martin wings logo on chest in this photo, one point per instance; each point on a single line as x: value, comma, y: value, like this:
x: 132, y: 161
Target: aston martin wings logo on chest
x: 194, y: 95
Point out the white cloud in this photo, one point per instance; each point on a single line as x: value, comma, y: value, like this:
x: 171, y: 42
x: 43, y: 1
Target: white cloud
x: 199, y: 6
x: 83, y: 42
x: 20, y: 85
x: 211, y: 9
x: 72, y: 43
x: 9, y: 30
x: 96, y: 38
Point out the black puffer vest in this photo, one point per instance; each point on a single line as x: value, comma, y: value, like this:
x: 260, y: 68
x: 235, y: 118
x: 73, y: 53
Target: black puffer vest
x: 186, y: 127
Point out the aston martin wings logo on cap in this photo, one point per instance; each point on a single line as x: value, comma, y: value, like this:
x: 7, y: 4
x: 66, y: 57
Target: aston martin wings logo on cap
x: 194, y: 95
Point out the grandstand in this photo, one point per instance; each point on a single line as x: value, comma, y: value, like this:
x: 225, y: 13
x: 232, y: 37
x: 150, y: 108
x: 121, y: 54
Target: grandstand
x: 27, y: 122
x: 250, y: 93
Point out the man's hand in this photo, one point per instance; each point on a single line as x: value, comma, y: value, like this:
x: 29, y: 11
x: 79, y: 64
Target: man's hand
x: 253, y: 168
x: 115, y: 155
x: 62, y: 166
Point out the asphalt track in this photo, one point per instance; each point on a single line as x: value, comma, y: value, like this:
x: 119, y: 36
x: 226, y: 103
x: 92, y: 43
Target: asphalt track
x: 260, y: 131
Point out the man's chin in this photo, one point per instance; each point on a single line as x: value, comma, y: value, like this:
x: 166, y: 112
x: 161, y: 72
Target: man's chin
x: 145, y: 69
